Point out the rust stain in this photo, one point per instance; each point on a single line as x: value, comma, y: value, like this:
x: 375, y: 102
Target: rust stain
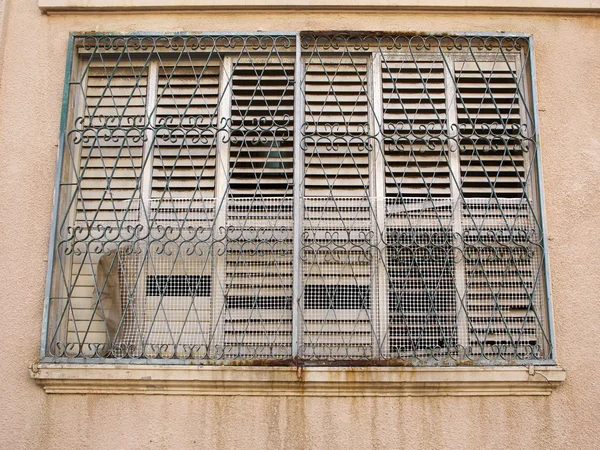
x: 465, y: 363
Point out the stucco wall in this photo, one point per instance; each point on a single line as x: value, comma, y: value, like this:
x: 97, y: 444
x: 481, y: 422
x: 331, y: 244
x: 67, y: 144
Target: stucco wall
x: 568, y: 69
x: 2, y: 27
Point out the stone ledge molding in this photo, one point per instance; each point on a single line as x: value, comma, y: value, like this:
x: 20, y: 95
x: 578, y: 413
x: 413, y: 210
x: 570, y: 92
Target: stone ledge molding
x: 292, y: 381
x: 514, y: 6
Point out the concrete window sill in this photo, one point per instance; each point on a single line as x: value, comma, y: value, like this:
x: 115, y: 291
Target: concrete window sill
x: 292, y: 381
x: 66, y: 6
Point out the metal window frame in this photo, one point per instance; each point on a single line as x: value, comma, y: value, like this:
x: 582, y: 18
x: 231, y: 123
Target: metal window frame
x: 298, y: 186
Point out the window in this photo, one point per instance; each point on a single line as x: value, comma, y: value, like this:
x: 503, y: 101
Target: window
x: 308, y: 198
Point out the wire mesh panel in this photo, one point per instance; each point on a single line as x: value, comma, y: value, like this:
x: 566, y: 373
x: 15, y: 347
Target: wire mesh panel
x: 338, y: 262
x: 405, y: 229
x: 175, y: 286
x: 502, y: 258
x: 420, y: 267
x: 257, y: 313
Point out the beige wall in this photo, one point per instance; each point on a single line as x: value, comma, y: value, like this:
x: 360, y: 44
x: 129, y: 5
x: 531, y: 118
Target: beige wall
x: 568, y: 68
x: 2, y: 27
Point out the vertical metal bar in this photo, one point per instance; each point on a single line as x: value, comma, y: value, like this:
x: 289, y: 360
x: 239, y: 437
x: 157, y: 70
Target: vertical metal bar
x: 57, y: 181
x: 150, y: 135
x: 298, y: 201
x: 79, y: 105
x: 377, y: 188
x: 221, y: 189
x: 542, y: 203
x: 525, y: 118
x: 71, y: 160
x: 529, y: 188
x: 146, y: 187
x: 457, y: 204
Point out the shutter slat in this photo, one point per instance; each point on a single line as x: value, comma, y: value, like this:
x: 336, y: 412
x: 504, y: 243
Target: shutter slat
x: 336, y: 117
x: 110, y: 164
x: 424, y: 171
x: 500, y: 275
x: 185, y: 167
x: 488, y: 96
x: 261, y: 161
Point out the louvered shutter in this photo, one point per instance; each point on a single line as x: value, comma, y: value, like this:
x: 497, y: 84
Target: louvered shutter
x: 111, y: 150
x: 498, y: 222
x: 336, y: 127
x: 418, y: 225
x: 111, y: 112
x: 337, y: 259
x: 489, y: 118
x: 419, y: 233
x: 414, y: 124
x: 178, y: 284
x: 186, y: 120
x: 257, y: 313
x: 262, y: 113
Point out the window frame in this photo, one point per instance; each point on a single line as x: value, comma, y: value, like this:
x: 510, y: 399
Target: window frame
x: 67, y: 111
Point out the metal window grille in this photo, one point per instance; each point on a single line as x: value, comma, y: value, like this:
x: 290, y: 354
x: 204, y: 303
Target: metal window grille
x: 299, y: 198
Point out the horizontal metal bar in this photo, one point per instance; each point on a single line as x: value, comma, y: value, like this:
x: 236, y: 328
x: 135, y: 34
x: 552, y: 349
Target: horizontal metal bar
x: 303, y: 32
x: 186, y: 34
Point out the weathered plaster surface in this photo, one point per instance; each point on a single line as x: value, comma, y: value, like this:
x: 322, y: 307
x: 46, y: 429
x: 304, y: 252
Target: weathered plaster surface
x: 3, y: 7
x: 568, y: 68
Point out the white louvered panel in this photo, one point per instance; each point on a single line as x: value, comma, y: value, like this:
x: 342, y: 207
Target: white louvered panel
x: 414, y: 116
x: 262, y: 111
x: 113, y: 116
x: 186, y: 117
x: 181, y: 214
x: 337, y: 270
x: 419, y: 254
x: 502, y: 169
x: 500, y: 269
x: 337, y: 263
x: 489, y: 117
x: 178, y: 316
x: 116, y: 91
x: 499, y: 310
x: 258, y: 278
x: 500, y: 274
x: 111, y: 151
x: 257, y: 319
x: 337, y: 333
x: 336, y: 127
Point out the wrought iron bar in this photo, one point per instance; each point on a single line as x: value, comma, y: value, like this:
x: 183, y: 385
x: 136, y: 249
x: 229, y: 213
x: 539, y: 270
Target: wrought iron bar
x: 316, y: 197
